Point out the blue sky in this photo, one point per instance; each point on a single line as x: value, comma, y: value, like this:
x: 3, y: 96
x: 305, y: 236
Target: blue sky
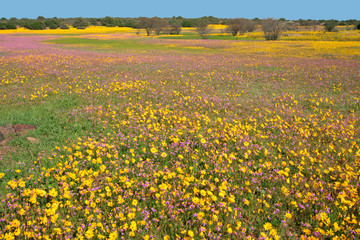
x: 305, y: 9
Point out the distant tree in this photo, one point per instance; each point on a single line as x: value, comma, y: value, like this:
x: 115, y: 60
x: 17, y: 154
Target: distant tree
x: 34, y: 25
x: 10, y: 25
x: 272, y: 28
x: 80, y: 23
x: 202, y: 27
x: 148, y: 24
x: 52, y: 23
x: 131, y: 22
x: 188, y: 23
x: 175, y: 25
x: 358, y: 26
x: 330, y: 25
x: 121, y: 22
x: 40, y: 18
x: 64, y: 26
x: 2, y: 26
x: 15, y: 21
x: 251, y: 25
x: 240, y: 25
x: 233, y: 26
x: 291, y: 26
x: 160, y: 25
x: 94, y: 21
x: 109, y: 21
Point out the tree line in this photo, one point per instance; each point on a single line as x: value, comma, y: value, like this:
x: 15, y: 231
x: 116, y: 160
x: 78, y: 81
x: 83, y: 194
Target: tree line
x: 272, y: 28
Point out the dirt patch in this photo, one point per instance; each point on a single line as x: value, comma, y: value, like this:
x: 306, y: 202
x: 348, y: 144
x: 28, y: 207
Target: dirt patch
x: 10, y: 131
x: 22, y: 129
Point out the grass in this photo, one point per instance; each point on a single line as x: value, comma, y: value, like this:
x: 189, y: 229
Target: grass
x: 120, y: 45
x: 53, y: 126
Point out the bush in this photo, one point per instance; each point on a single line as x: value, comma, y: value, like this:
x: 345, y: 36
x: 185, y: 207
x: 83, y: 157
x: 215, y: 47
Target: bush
x: 35, y: 25
x: 188, y: 23
x: 52, y: 23
x: 240, y: 25
x: 2, y: 26
x: 109, y: 21
x: 64, y: 26
x: 358, y: 27
x: 80, y: 23
x: 330, y: 26
x: 272, y: 28
x: 11, y: 25
x: 202, y: 27
x: 175, y: 26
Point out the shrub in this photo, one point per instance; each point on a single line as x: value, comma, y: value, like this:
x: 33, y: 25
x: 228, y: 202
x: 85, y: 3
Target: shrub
x: 272, y: 28
x: 358, y: 27
x: 109, y: 21
x: 202, y: 27
x: 80, y: 23
x: 35, y: 25
x: 240, y: 25
x: 330, y: 25
x: 175, y: 26
x: 53, y: 23
x: 64, y: 26
x: 2, y: 26
x: 11, y: 25
x: 148, y: 24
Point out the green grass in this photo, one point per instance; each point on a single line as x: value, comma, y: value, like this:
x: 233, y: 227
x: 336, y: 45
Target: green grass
x: 118, y: 45
x: 54, y: 126
x: 194, y: 35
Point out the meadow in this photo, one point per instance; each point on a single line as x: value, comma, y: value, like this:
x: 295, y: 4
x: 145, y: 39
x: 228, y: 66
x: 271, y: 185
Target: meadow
x: 162, y: 138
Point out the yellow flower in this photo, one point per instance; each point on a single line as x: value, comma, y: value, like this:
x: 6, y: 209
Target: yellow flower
x: 191, y: 233
x: 17, y: 232
x: 288, y: 215
x: 229, y: 230
x: 21, y: 184
x: 53, y: 192
x: 113, y: 235
x: 89, y: 234
x: 133, y: 226
x: 131, y: 215
x: 135, y: 202
x: 9, y: 236
x: 167, y: 237
x: 267, y: 226
x: 2, y: 175
x: 164, y: 154
x: 153, y: 150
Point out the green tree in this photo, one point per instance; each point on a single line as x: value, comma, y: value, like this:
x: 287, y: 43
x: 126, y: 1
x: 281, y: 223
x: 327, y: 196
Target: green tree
x: 80, y: 23
x: 10, y: 25
x: 34, y: 25
x: 175, y: 25
x: 52, y: 23
x: 330, y: 25
x: 109, y: 21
